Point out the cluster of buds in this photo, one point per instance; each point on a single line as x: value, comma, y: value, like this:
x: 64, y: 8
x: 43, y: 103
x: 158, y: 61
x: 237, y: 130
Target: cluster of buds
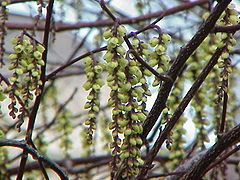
x: 2, y: 96
x: 93, y: 70
x: 65, y: 126
x: 3, y: 32
x: 26, y: 62
x: 159, y: 58
x: 127, y: 98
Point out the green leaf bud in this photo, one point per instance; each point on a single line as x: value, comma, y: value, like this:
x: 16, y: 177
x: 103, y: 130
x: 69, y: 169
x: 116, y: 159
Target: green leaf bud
x: 87, y: 122
x: 35, y: 73
x: 111, y: 125
x: 155, y: 83
x: 87, y: 85
x: 148, y: 93
x: 225, y: 55
x: 19, y: 71
x: 160, y: 49
x: 90, y: 97
x: 12, y: 57
x: 165, y: 58
x: 12, y: 66
x: 146, y: 52
x: 96, y: 87
x: 133, y: 141
x: 40, y: 48
x: 123, y: 62
x: 134, y: 117
x: 28, y: 49
x: 98, y: 68
x: 133, y: 69
x: 127, y: 131
x: 121, y: 75
x: 134, y: 81
x: 15, y: 40
x: 146, y: 72
x: 141, y: 116
x: 87, y: 60
x: 124, y: 98
x: 112, y: 64
x: 139, y: 141
x: 135, y: 42
x: 121, y: 50
x: 40, y: 82
x: 41, y: 62
x: 126, y: 87
x: 107, y: 34
x: 95, y: 108
x: 224, y: 36
x: 113, y: 42
x: 90, y: 75
x: 153, y: 62
x: 136, y: 128
x: 122, y: 122
x: 110, y: 78
x: 121, y: 30
x: 128, y: 108
x: 132, y: 63
x: 166, y: 38
x: 233, y: 19
x: 2, y: 96
x: 12, y: 79
x: 124, y: 155
x: 153, y: 42
x: 18, y: 48
x: 100, y: 82
x: 120, y: 40
x: 26, y: 78
x: 91, y: 115
x: 30, y: 67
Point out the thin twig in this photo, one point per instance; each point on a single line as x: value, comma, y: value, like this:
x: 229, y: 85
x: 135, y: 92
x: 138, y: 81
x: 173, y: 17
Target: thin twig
x: 180, y: 109
x: 103, y: 23
x: 226, y: 141
x: 23, y: 145
x: 34, y: 111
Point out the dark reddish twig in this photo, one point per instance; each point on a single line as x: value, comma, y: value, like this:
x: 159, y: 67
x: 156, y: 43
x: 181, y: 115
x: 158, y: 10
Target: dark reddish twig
x: 23, y: 145
x: 103, y: 6
x: 226, y: 141
x: 175, y: 69
x: 139, y: 59
x: 224, y: 112
x: 34, y: 111
x: 180, y: 109
x: 227, y: 29
x: 224, y: 157
x: 103, y: 23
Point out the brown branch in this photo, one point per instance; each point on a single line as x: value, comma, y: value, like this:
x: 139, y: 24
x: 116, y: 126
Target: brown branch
x: 36, y: 105
x: 23, y: 145
x: 180, y: 109
x: 224, y: 157
x: 227, y: 29
x: 140, y: 60
x: 20, y: 1
x: 182, y: 57
x: 224, y: 142
x: 76, y: 162
x: 103, y: 23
